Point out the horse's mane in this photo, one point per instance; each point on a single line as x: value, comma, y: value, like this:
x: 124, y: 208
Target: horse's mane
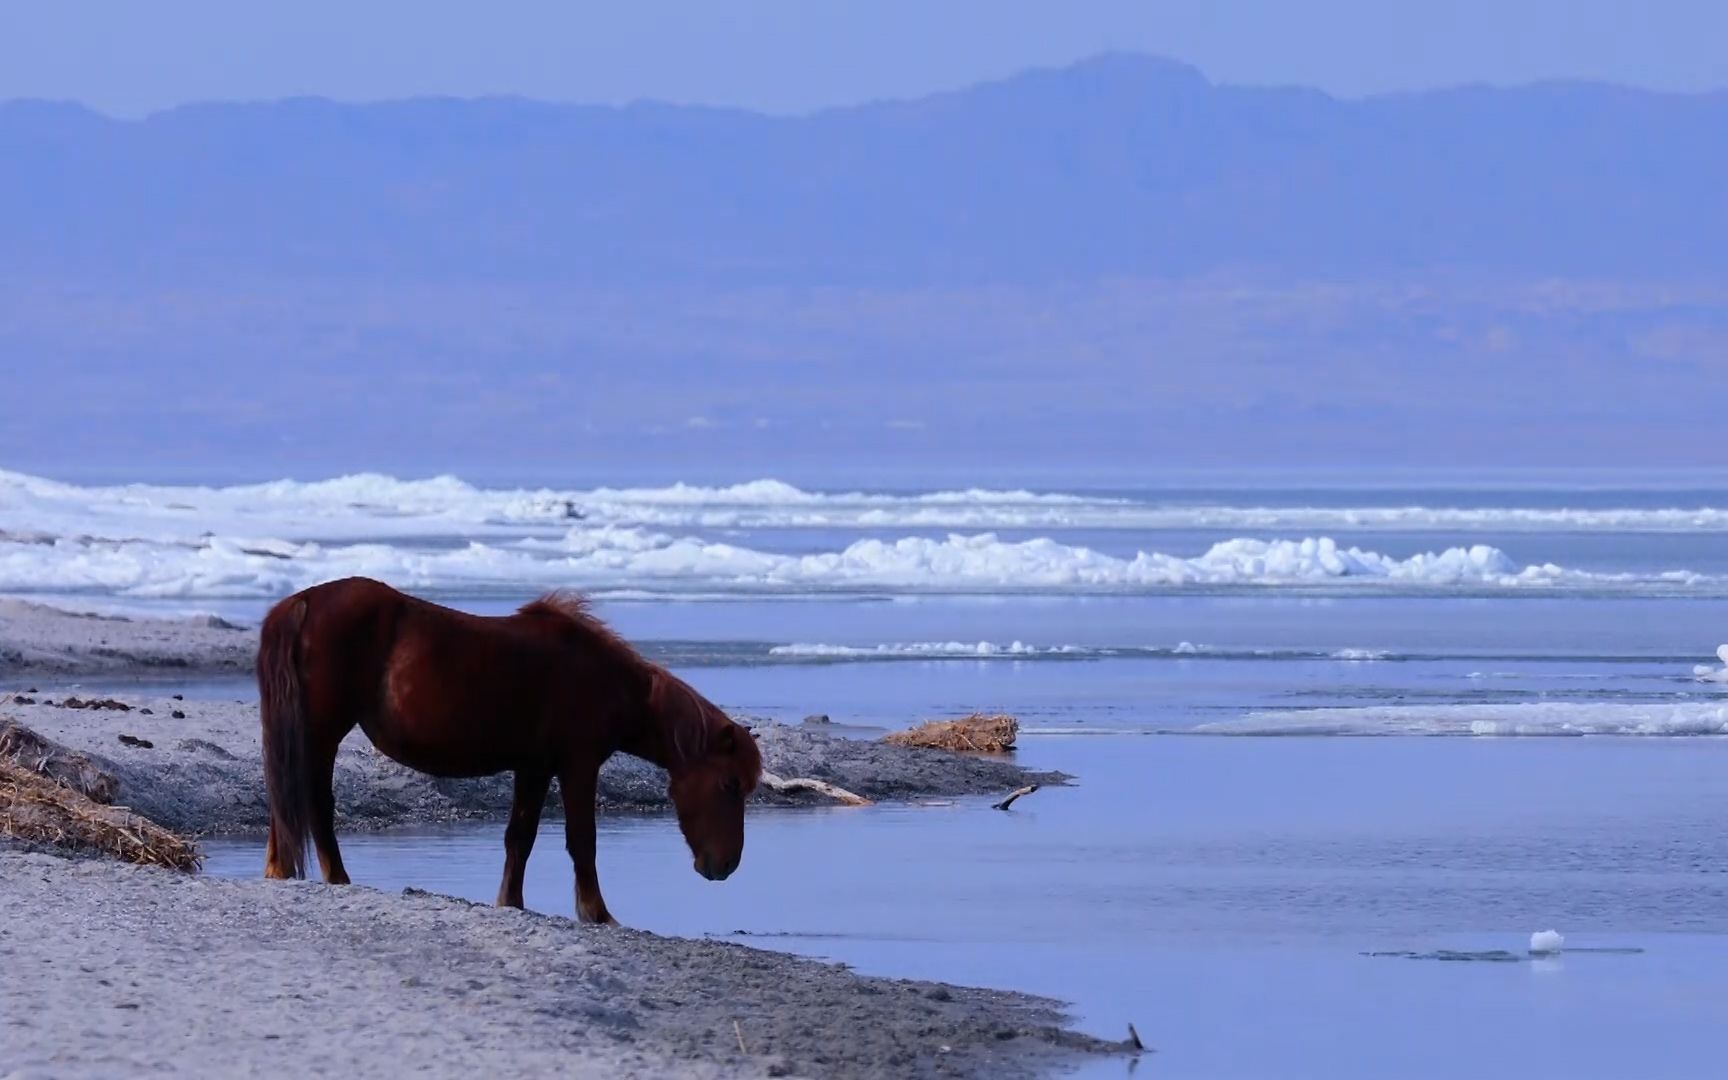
x: 688, y: 733
x: 578, y: 610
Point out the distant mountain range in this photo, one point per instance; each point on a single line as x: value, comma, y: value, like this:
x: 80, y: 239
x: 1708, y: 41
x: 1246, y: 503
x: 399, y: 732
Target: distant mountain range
x: 1117, y: 166
x: 1117, y: 266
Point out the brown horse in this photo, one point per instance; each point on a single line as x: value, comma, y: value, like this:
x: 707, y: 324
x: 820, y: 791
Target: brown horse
x: 549, y: 691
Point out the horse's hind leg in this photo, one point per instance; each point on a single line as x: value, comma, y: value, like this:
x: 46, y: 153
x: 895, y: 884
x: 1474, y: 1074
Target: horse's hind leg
x: 322, y: 804
x: 519, y: 834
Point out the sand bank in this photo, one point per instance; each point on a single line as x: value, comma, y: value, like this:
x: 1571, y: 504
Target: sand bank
x: 37, y: 641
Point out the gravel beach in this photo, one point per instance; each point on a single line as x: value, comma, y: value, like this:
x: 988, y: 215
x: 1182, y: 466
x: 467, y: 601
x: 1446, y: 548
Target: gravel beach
x: 121, y: 970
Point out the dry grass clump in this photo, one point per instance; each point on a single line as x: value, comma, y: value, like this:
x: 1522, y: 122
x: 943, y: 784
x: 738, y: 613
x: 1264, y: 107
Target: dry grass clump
x: 47, y: 758
x: 977, y: 733
x: 52, y: 795
x: 35, y: 808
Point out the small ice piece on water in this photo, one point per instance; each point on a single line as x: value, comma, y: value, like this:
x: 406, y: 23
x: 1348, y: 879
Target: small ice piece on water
x: 1546, y: 942
x: 1707, y: 673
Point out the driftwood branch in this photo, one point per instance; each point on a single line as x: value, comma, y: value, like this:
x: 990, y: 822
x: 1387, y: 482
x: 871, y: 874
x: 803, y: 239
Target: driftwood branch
x: 1015, y: 794
x: 803, y: 783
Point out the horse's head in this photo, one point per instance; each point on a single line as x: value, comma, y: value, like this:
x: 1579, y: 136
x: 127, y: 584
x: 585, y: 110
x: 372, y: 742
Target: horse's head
x: 714, y: 766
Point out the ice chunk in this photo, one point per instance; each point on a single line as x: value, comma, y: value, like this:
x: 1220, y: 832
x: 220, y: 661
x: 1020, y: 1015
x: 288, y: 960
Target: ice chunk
x: 1360, y: 655
x: 1706, y: 673
x: 1546, y: 942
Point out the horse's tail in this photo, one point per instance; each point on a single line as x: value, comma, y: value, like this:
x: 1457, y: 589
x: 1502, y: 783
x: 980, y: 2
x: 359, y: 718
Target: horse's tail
x: 283, y: 712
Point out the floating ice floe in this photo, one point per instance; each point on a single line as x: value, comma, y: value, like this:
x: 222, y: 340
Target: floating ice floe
x: 942, y: 650
x: 1531, y: 719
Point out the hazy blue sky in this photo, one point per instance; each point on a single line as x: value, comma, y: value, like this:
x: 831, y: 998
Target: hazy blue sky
x: 128, y: 58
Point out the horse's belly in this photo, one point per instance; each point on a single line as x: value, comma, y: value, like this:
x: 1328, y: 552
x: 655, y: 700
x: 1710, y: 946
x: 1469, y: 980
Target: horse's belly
x: 443, y: 714
x: 441, y: 750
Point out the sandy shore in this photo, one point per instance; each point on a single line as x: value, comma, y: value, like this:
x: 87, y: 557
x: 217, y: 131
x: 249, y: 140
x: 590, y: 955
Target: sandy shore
x: 118, y: 970
x: 42, y: 642
x: 114, y: 970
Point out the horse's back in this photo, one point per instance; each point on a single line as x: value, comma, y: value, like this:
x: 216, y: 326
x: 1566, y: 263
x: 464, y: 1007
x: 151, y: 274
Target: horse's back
x: 440, y: 690
x: 467, y: 694
x: 452, y: 693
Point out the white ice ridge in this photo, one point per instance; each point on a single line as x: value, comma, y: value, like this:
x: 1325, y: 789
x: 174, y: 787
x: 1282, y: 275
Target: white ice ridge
x: 1018, y: 650
x: 1522, y: 719
x: 373, y: 506
x: 1706, y: 673
x: 931, y: 649
x: 608, y: 558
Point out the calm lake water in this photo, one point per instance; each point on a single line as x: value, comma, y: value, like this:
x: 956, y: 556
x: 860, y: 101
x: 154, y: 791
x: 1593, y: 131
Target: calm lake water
x: 1220, y: 894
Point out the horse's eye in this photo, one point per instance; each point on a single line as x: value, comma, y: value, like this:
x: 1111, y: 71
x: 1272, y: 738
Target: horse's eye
x: 733, y: 787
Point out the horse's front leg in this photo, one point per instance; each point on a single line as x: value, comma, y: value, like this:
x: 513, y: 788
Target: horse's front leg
x: 519, y: 834
x: 577, y: 783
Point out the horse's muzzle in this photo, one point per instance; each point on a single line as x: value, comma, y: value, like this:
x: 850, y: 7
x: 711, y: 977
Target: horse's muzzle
x: 715, y: 869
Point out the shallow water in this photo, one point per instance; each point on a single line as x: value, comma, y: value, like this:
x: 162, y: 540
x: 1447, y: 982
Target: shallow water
x: 1220, y: 894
